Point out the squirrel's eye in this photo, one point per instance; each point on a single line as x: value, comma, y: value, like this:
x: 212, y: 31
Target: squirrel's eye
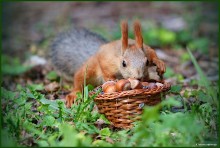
x: 147, y: 62
x: 124, y: 64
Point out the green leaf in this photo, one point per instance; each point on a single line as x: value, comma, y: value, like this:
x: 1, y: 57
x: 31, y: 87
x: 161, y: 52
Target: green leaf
x: 151, y: 113
x: 180, y: 77
x: 167, y: 37
x: 14, y: 70
x: 30, y: 95
x: 36, y: 86
x: 91, y: 129
x: 72, y: 138
x: 169, y: 72
x: 20, y: 101
x: 52, y: 76
x: 176, y: 88
x: 90, y: 87
x: 9, y: 95
x: 202, y: 96
x: 48, y: 121
x: 170, y: 102
x: 32, y: 128
x: 101, y: 143
x: 186, y: 94
x: 43, y: 143
x: 104, y: 118
x: 105, y: 132
x: 12, y: 66
x: 7, y: 140
x: 53, y: 104
x: 184, y: 36
x: 151, y: 37
x: 185, y: 57
x: 201, y: 44
x: 69, y: 135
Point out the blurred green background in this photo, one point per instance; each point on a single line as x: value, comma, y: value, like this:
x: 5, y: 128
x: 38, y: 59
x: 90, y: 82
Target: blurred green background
x: 28, y: 28
x: 173, y: 24
x: 35, y: 116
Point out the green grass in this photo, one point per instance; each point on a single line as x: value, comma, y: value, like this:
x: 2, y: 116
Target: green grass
x: 12, y: 66
x: 51, y: 124
x: 30, y: 118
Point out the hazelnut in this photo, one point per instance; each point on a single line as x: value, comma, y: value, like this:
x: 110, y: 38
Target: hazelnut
x: 152, y: 85
x: 145, y: 85
x: 110, y: 89
x: 135, y: 84
x: 123, y: 85
x: 159, y: 84
x: 107, y: 83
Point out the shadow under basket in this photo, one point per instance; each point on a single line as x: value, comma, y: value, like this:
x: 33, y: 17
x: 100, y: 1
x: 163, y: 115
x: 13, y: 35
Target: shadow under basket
x: 123, y: 108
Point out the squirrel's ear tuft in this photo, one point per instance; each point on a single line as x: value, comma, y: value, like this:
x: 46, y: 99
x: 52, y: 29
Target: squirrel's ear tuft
x: 138, y: 35
x: 124, y: 35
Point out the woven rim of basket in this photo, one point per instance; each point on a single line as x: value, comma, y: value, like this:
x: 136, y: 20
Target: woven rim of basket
x: 147, y: 91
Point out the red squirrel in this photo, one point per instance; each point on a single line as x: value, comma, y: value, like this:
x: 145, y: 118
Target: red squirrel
x: 123, y: 58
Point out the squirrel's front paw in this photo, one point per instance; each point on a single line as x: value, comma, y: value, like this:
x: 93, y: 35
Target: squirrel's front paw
x: 70, y: 99
x: 161, y: 68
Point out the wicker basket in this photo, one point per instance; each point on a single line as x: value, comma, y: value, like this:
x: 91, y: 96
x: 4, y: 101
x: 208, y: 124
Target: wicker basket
x: 123, y: 108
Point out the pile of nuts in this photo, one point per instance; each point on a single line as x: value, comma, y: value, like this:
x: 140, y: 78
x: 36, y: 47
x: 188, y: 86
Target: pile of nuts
x: 127, y: 84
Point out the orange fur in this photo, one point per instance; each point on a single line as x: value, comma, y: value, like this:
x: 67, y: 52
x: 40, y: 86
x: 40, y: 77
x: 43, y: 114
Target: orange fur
x: 105, y: 64
x: 138, y: 35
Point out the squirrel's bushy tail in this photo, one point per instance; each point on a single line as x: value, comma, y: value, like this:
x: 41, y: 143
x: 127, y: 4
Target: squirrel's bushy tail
x: 71, y: 49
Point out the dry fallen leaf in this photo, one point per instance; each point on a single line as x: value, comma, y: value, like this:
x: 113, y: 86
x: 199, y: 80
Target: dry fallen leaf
x: 54, y: 86
x: 108, y: 139
x: 99, y: 123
